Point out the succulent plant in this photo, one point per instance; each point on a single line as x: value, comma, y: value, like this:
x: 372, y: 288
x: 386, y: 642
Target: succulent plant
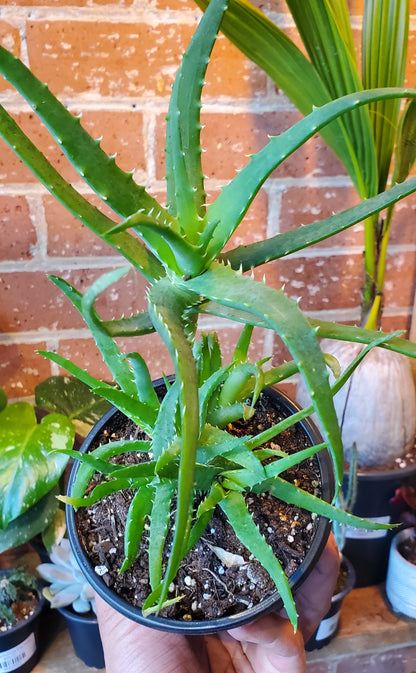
x: 18, y: 596
x: 68, y: 585
x: 179, y: 250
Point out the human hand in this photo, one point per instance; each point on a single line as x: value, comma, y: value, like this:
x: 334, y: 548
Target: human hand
x: 268, y: 645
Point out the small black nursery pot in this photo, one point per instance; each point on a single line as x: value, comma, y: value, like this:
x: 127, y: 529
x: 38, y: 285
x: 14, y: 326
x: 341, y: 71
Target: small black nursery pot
x: 20, y: 644
x: 272, y: 602
x: 85, y: 636
x: 329, y: 626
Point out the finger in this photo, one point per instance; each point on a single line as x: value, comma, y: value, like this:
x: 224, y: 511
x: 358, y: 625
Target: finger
x: 271, y: 646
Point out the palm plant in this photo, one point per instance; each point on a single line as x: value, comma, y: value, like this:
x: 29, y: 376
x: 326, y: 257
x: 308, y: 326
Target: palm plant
x: 179, y: 251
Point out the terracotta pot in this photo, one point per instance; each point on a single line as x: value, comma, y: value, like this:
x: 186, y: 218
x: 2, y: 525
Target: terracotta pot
x: 272, y: 602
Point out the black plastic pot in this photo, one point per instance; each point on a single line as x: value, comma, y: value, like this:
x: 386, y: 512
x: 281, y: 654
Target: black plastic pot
x: 329, y: 626
x: 20, y: 646
x: 273, y: 602
x: 368, y: 550
x: 85, y: 636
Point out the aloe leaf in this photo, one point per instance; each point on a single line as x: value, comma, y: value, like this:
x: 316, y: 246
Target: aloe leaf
x: 233, y: 202
x: 184, y: 176
x: 159, y: 526
x: 115, y: 187
x: 108, y: 348
x: 32, y: 522
x: 69, y: 396
x: 384, y: 54
x: 27, y: 470
x: 241, y: 520
x: 130, y: 247
x: 268, y: 46
x: 143, y: 381
x: 256, y: 254
x: 167, y: 306
x: 99, y: 492
x: 165, y: 427
x: 241, y: 350
x: 332, y: 330
x: 406, y: 143
x: 295, y: 496
x: 139, y: 412
x: 172, y: 249
x: 207, y: 354
x: 223, y: 285
x: 236, y: 382
x: 324, y: 28
x: 243, y: 479
x: 140, y: 508
x: 135, y: 325
x: 204, y: 513
x: 105, y: 451
x: 206, y: 393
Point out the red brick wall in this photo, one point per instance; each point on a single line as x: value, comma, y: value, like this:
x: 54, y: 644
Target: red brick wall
x: 114, y: 61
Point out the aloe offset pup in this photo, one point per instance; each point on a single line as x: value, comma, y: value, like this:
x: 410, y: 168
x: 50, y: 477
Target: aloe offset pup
x: 179, y: 250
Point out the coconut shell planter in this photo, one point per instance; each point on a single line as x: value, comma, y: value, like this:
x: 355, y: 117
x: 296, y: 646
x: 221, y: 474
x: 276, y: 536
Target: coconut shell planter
x: 220, y: 582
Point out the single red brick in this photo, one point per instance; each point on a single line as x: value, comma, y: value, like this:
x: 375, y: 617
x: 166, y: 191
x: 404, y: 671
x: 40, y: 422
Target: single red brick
x: 122, y: 135
x: 399, y: 279
x: 17, y: 233
x: 9, y: 39
x: 232, y: 74
x: 321, y: 283
x: 402, y: 228
x: 302, y: 205
x: 22, y: 368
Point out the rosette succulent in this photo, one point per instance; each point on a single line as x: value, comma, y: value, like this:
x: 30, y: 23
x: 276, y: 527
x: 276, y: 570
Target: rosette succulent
x: 68, y: 585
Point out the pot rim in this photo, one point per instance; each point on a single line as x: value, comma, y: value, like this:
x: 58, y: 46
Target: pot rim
x: 350, y: 579
x: 378, y: 474
x: 399, y: 537
x: 23, y: 623
x: 271, y: 603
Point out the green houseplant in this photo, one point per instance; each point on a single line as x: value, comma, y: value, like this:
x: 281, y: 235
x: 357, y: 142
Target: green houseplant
x: 30, y: 476
x: 179, y: 251
x: 29, y: 473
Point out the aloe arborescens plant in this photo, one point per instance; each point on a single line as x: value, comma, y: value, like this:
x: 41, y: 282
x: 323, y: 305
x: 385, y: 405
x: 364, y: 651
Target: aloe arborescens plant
x: 179, y: 250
